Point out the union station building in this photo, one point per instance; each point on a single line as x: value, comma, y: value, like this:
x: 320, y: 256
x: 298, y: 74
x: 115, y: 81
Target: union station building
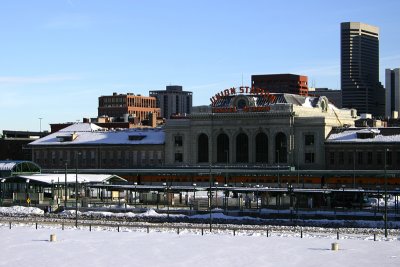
x: 244, y: 127
x: 249, y: 126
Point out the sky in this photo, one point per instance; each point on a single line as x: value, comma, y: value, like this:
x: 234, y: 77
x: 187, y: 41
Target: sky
x: 58, y: 57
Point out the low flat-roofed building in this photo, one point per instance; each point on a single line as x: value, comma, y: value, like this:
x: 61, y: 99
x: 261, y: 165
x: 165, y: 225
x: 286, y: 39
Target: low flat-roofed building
x: 13, y: 144
x: 363, y: 149
x: 91, y: 147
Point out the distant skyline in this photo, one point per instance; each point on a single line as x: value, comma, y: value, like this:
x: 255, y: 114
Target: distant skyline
x: 58, y: 57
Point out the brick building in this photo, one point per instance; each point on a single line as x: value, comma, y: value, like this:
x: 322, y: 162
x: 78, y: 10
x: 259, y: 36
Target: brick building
x: 281, y: 83
x: 127, y: 105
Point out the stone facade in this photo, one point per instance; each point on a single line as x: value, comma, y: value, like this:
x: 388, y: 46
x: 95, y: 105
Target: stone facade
x: 287, y: 134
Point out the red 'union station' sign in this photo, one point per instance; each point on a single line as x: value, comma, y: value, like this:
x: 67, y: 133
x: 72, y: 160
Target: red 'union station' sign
x: 242, y: 90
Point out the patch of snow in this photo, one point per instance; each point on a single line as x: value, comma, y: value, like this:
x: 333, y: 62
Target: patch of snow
x: 20, y: 210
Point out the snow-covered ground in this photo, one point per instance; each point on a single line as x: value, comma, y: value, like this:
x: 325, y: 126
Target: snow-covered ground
x: 23, y: 245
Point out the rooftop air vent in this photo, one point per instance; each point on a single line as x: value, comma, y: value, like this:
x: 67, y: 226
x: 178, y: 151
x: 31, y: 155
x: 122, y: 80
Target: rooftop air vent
x: 67, y: 138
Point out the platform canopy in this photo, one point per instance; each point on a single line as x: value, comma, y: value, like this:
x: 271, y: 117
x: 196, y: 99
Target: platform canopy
x: 59, y: 178
x: 11, y: 168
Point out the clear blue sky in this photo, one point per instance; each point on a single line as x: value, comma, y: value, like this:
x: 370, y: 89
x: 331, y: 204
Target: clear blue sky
x: 58, y: 57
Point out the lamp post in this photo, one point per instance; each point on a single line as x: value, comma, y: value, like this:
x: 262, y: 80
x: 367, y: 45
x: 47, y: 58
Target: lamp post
x: 40, y: 124
x: 76, y: 189
x: 290, y: 191
x: 2, y: 191
x: 134, y: 200
x: 58, y: 192
x: 65, y: 187
x: 52, y: 193
x: 28, y: 200
x: 343, y: 186
x: 298, y: 169
x: 385, y: 196
x: 165, y: 194
x: 194, y: 195
x: 277, y: 159
x: 397, y: 200
x: 209, y: 200
x: 226, y: 197
x: 166, y: 198
x: 167, y: 204
x: 257, y: 186
x: 354, y: 168
x: 378, y: 187
x: 216, y: 194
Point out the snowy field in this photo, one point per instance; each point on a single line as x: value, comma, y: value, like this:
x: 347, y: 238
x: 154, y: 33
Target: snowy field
x: 23, y: 245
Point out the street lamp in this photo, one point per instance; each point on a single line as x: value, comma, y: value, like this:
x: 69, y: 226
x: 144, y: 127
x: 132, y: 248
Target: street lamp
x: 76, y: 189
x: 277, y: 159
x: 58, y: 192
x: 52, y: 195
x: 2, y: 191
x: 216, y: 194
x: 28, y: 200
x: 194, y: 192
x: 343, y: 199
x: 378, y: 187
x: 226, y: 197
x: 354, y: 168
x: 396, y: 200
x: 40, y: 124
x: 52, y: 189
x: 134, y: 200
x: 166, y: 198
x: 386, y: 231
x: 290, y: 191
x: 257, y: 186
x: 65, y: 187
x: 209, y: 201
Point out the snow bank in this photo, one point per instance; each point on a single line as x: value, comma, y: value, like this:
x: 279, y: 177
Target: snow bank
x: 20, y: 210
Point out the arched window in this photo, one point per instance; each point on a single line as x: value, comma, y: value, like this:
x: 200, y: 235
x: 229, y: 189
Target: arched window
x: 242, y: 148
x: 202, y: 148
x: 223, y: 148
x: 261, y: 148
x: 280, y: 148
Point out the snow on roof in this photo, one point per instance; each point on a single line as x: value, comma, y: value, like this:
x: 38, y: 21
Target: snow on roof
x: 308, y: 103
x: 350, y: 135
x: 82, y: 127
x: 19, y: 165
x: 7, y: 165
x: 91, y: 134
x: 71, y: 178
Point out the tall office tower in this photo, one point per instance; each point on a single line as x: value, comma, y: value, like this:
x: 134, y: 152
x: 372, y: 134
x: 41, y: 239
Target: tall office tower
x: 173, y: 100
x: 392, y: 84
x: 361, y: 88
